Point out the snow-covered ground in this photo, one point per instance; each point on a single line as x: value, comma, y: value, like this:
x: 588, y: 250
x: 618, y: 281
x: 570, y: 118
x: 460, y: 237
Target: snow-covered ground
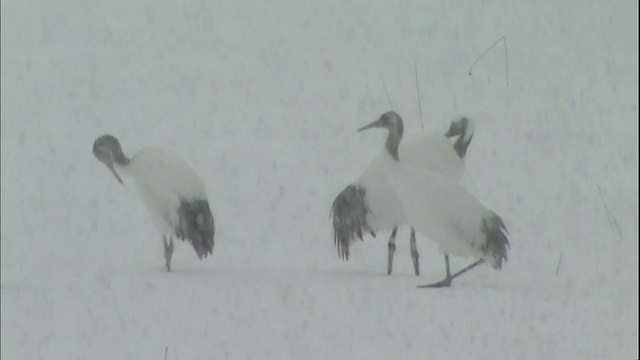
x: 263, y: 99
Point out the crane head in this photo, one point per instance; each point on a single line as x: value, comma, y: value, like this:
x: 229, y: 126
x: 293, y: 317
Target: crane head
x: 392, y: 122
x: 389, y: 120
x: 462, y: 127
x: 107, y: 149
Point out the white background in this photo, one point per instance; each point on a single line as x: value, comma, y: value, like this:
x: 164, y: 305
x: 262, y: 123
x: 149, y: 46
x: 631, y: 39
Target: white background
x: 263, y: 100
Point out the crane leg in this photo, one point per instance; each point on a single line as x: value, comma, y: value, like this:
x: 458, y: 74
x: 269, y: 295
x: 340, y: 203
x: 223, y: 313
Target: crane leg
x: 392, y: 250
x: 415, y: 256
x: 168, y: 252
x: 447, y: 281
x: 448, y: 268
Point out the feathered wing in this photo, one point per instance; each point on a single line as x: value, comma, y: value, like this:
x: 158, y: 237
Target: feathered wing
x: 352, y: 212
x: 196, y: 225
x: 175, y: 197
x: 349, y: 214
x: 446, y: 212
x: 164, y: 166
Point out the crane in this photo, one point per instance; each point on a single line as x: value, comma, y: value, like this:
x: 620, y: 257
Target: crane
x: 438, y: 207
x: 172, y: 192
x: 355, y: 214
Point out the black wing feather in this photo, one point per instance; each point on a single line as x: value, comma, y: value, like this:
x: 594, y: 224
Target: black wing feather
x: 349, y: 213
x: 196, y: 225
x: 497, y: 244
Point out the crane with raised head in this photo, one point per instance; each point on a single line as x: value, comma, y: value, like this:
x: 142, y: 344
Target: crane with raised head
x: 369, y: 205
x: 435, y: 205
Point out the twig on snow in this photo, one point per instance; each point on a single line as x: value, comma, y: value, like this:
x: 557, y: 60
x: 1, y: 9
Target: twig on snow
x: 613, y: 223
x: 506, y: 57
x: 386, y: 92
x: 558, y: 265
x: 415, y: 64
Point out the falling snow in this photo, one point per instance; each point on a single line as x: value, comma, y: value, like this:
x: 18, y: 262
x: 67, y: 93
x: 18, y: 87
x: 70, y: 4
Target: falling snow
x: 263, y: 99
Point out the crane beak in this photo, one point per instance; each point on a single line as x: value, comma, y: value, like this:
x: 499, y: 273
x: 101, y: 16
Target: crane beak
x: 457, y: 127
x: 454, y: 130
x: 113, y: 171
x: 376, y: 124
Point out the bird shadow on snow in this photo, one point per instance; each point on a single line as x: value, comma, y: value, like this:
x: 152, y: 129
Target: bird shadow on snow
x: 501, y: 285
x: 362, y: 273
x: 212, y: 272
x: 175, y: 270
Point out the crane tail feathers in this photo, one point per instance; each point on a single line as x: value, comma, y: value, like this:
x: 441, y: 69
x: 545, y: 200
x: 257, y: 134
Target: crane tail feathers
x: 497, y: 240
x: 349, y: 215
x: 196, y: 225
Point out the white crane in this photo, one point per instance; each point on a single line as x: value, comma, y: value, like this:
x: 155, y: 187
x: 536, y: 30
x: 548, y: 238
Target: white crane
x: 439, y: 208
x: 448, y: 214
x: 369, y: 205
x: 169, y: 188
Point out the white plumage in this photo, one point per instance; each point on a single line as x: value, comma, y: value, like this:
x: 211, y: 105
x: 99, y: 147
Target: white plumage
x: 371, y: 205
x: 162, y: 179
x: 420, y: 189
x: 171, y: 191
x: 441, y: 209
x: 430, y: 151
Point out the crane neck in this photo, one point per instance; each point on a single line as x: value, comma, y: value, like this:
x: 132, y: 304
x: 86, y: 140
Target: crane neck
x: 392, y: 147
x: 394, y: 138
x: 462, y: 143
x: 120, y: 158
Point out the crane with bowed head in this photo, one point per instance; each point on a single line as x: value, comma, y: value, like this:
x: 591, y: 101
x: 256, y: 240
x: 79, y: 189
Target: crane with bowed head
x: 172, y: 192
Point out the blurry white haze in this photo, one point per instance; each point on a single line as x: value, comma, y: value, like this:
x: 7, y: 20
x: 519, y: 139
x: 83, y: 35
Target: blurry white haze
x: 263, y: 100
